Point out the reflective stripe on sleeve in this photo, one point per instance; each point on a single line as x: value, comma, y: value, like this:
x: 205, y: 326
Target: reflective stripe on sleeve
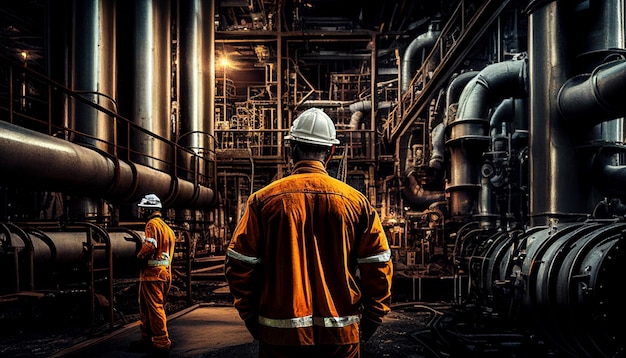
x: 152, y: 241
x: 241, y: 257
x: 381, y: 257
x: 309, y: 321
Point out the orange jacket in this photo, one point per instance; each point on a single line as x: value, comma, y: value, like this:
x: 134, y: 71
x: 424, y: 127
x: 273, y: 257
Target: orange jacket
x: 157, y: 249
x: 293, y: 259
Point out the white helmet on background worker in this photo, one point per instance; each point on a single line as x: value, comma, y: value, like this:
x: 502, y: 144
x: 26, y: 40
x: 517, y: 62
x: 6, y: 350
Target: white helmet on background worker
x: 313, y: 126
x: 150, y: 201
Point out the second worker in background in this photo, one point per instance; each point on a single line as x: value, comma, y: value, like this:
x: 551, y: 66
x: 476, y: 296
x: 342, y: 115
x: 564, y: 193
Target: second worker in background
x: 309, y: 264
x: 155, y: 279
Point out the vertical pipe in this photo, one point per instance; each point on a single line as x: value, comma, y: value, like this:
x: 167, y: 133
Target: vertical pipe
x: 148, y: 57
x: 554, y: 186
x: 210, y: 80
x: 58, y: 24
x: 279, y: 76
x: 195, y: 118
x: 372, y: 125
x: 94, y: 71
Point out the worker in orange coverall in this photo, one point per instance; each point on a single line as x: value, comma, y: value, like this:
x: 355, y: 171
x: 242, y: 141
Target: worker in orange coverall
x: 309, y: 264
x: 155, y: 279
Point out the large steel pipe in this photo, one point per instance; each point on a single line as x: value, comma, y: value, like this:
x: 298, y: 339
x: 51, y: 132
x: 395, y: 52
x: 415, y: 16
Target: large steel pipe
x: 37, y: 161
x: 55, y: 248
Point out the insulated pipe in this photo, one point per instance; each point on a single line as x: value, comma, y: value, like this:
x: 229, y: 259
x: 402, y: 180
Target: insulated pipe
x: 453, y: 92
x: 468, y: 135
x: 361, y: 106
x: 38, y: 161
x: 503, y: 113
x: 597, y: 97
x: 366, y: 105
x: 355, y: 120
x: 603, y: 41
x: 414, y: 55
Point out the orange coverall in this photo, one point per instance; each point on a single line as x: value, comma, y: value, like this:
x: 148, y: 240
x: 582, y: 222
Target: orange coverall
x: 155, y: 279
x: 293, y: 259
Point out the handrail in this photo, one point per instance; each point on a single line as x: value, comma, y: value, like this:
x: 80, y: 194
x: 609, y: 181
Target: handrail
x: 34, y: 110
x: 459, y: 34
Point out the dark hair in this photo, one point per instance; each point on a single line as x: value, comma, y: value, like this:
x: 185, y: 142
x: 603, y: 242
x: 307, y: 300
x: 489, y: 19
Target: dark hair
x: 300, y: 151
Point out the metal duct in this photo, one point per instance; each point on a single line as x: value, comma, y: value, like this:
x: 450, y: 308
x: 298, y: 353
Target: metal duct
x: 468, y: 135
x: 415, y: 54
x: 94, y: 74
x: 38, y: 161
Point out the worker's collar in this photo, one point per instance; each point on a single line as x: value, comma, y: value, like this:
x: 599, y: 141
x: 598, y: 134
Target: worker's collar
x: 309, y: 166
x: 154, y: 214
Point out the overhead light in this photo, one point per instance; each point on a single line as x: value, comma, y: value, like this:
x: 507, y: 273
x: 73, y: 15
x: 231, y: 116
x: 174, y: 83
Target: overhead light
x: 262, y: 52
x: 224, y: 61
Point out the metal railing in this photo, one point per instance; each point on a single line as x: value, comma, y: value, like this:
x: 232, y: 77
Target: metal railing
x: 31, y: 100
x: 461, y: 30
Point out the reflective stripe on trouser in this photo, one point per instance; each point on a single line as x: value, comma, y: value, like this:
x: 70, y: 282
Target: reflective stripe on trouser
x: 152, y: 312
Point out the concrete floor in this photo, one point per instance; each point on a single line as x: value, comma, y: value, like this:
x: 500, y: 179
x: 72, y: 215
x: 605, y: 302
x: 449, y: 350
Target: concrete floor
x: 200, y: 331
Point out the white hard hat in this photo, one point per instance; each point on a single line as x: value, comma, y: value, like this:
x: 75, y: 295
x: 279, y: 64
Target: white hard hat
x: 150, y: 201
x: 313, y: 126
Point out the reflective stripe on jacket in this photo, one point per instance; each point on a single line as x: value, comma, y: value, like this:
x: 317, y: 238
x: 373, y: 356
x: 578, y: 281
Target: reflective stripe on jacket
x: 162, y: 252
x: 293, y: 259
